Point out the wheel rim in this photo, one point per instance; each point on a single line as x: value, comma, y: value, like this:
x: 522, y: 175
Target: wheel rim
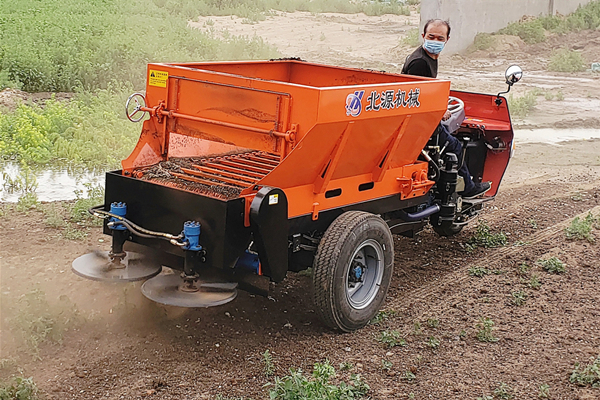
x: 364, y: 274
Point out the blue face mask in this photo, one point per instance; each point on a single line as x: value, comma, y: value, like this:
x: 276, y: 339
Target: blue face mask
x: 433, y: 46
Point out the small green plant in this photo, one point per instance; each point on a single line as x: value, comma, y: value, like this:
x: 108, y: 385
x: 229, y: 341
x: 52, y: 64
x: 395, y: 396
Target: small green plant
x: 382, y: 316
x: 533, y: 223
x: 54, y: 219
x: 409, y: 376
x: 485, y: 333
x: 581, y: 229
x: 318, y: 386
x: 503, y: 392
x: 522, y: 106
x: 534, y: 282
x: 565, y: 60
x: 587, y: 376
x: 94, y: 195
x: 544, y: 391
x: 391, y: 338
x: 20, y: 389
x: 560, y: 96
x: 518, y: 298
x: 462, y: 333
x: 485, y: 397
x: 346, y: 366
x: 483, y: 237
x: 27, y: 202
x: 553, y: 265
x: 269, y: 368
x: 479, y: 271
x: 417, y: 328
x: 386, y: 365
x: 523, y: 268
x: 322, y: 37
x: 433, y: 342
x: 433, y: 323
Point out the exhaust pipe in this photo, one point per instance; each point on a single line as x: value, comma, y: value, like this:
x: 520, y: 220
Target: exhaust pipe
x: 412, y: 217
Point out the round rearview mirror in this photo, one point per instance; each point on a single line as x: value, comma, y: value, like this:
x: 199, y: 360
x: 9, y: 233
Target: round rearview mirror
x: 513, y: 74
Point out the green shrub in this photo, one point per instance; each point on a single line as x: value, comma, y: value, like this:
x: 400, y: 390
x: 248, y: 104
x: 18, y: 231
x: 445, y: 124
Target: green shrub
x: 522, y: 106
x: 483, y: 41
x: 318, y: 386
x: 565, y: 60
x: 530, y: 31
x: 21, y: 389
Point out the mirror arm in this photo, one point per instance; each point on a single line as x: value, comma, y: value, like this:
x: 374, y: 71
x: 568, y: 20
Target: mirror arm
x: 498, y: 99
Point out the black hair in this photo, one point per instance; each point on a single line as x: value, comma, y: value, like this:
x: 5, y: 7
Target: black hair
x: 437, y: 21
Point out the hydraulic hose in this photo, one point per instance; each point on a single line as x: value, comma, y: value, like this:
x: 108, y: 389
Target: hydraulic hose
x: 135, y: 229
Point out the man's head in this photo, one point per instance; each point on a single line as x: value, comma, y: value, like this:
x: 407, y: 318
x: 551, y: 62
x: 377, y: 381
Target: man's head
x: 435, y: 34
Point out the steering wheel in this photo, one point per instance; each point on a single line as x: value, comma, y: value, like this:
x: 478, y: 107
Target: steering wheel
x: 131, y: 111
x: 455, y: 105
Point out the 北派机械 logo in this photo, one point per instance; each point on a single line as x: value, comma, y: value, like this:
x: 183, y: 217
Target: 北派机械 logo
x: 353, y: 103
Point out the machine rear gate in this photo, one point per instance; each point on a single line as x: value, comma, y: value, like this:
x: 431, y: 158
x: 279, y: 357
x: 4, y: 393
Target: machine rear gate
x: 247, y: 170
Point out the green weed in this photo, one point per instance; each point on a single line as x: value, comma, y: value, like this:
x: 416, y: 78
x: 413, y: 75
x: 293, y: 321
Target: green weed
x: 36, y: 321
x: 483, y: 237
x: 94, y: 195
x: 560, y: 96
x: 433, y: 342
x: 533, y: 223
x: 587, y: 376
x: 544, y: 391
x: 522, y: 106
x: 386, y: 365
x: 409, y: 376
x: 534, y: 282
x: 553, y: 265
x: 24, y: 182
x: 27, y: 202
x: 346, y: 366
x: 581, y: 229
x: 54, y: 218
x: 20, y: 389
x: 391, y: 338
x: 518, y: 298
x: 503, y: 392
x: 565, y: 60
x: 382, y: 316
x: 318, y: 386
x: 530, y: 32
x: 73, y: 233
x: 485, y: 333
x: 485, y: 397
x: 268, y: 361
x: 433, y: 323
x: 523, y: 269
x: 479, y: 271
x: 417, y: 328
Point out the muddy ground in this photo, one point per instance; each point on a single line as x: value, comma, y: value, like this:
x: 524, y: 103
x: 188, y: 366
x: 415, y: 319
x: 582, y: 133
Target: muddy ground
x: 109, y: 342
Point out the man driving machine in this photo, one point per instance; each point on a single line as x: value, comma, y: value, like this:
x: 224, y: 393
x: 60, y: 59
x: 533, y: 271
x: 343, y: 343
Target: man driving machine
x: 424, y: 62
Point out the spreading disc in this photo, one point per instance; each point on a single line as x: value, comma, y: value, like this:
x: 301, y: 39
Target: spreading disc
x: 167, y: 289
x: 99, y: 267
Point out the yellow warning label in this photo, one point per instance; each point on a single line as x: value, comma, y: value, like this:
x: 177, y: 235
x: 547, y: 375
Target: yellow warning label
x: 158, y: 78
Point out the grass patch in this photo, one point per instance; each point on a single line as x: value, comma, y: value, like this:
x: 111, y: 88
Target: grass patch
x: 581, y: 229
x: 484, y: 237
x: 391, y: 338
x: 318, y: 386
x: 485, y: 332
x: 565, y: 60
x: 522, y: 106
x: 588, y: 375
x: 36, y: 321
x: 553, y: 265
x: 20, y: 389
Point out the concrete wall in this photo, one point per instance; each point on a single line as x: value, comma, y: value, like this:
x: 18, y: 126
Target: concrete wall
x: 469, y: 17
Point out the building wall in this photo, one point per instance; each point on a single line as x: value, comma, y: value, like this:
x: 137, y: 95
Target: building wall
x: 469, y: 17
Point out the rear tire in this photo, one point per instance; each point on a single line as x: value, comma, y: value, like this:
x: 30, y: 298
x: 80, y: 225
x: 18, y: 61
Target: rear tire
x: 352, y: 270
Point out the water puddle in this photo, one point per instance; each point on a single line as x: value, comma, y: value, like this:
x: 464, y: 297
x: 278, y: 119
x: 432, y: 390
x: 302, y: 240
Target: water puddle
x: 48, y: 183
x: 61, y: 183
x: 554, y: 136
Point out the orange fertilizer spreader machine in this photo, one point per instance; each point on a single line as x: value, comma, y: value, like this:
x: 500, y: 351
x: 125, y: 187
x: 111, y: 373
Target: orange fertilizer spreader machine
x: 247, y: 170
